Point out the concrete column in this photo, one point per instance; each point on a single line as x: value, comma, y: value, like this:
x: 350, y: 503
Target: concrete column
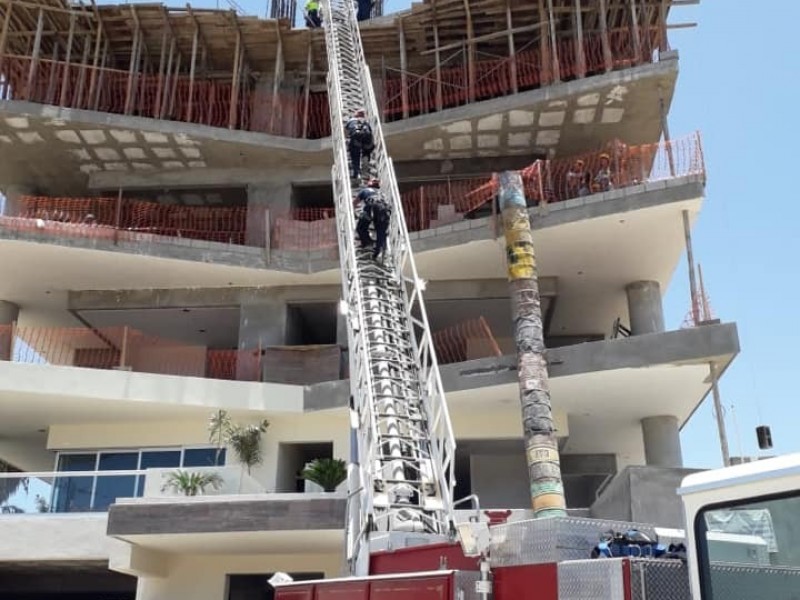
x: 13, y: 194
x: 9, y: 313
x: 662, y: 441
x: 262, y: 323
x: 275, y: 197
x: 644, y: 307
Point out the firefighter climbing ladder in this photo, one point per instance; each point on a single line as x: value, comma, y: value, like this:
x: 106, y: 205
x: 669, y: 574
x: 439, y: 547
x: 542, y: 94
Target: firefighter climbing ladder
x: 400, y: 489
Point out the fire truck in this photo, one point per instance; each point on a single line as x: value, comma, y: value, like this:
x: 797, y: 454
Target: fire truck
x: 404, y: 538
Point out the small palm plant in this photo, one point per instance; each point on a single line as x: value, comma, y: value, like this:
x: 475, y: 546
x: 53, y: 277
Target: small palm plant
x: 244, y: 440
x: 9, y: 487
x: 191, y: 483
x: 328, y: 473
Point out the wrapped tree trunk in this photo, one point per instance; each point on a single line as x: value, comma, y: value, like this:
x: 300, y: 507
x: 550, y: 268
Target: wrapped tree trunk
x: 541, y: 444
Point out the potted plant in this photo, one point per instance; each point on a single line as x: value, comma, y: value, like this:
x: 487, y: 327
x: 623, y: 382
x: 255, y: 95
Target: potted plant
x: 328, y: 473
x: 244, y: 440
x: 191, y: 483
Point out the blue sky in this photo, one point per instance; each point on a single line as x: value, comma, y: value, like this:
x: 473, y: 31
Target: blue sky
x: 740, y: 74
x: 739, y: 84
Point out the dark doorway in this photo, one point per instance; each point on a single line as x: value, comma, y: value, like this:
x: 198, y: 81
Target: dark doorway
x: 292, y: 459
x: 256, y: 586
x: 84, y: 580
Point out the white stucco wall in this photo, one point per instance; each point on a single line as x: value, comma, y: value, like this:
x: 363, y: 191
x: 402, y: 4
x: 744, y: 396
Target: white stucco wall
x: 204, y: 577
x: 324, y: 426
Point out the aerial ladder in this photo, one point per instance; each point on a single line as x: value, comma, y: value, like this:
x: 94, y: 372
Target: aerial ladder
x: 400, y: 490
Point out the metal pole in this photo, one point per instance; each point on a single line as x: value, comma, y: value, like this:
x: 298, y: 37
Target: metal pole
x: 723, y: 436
x: 37, y: 44
x: 665, y: 129
x: 65, y: 79
x: 541, y: 442
x: 687, y: 232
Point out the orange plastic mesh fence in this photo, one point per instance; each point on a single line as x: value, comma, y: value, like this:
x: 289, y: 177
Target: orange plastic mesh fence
x: 208, y: 101
x: 469, y: 340
x: 124, y: 348
x: 427, y: 206
x: 99, y: 217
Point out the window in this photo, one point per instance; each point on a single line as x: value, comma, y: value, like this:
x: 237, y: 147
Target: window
x: 750, y: 549
x: 97, y: 492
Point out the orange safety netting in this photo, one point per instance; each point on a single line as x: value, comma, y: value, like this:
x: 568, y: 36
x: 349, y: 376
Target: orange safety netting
x: 493, y: 77
x: 100, y: 217
x: 291, y: 114
x: 124, y: 348
x: 427, y: 206
x: 469, y: 340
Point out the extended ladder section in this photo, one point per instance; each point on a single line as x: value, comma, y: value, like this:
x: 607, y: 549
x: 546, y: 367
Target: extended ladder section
x: 401, y: 482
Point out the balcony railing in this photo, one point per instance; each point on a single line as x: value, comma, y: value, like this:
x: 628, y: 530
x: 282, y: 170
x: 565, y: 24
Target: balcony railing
x: 94, y: 491
x: 128, y: 349
x: 427, y: 206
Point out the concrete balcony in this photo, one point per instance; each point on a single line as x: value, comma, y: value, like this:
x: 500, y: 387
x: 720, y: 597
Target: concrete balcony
x: 639, y: 229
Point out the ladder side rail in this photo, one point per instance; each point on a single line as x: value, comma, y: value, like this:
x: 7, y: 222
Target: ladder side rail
x: 433, y: 391
x: 360, y: 376
x: 389, y: 425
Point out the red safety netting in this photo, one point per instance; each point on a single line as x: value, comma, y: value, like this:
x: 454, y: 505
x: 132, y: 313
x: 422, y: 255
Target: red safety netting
x: 433, y: 205
x: 469, y: 340
x: 493, y: 77
x: 208, y: 101
x: 561, y: 179
x: 299, y: 230
x: 426, y: 206
x: 127, y: 349
x: 113, y: 218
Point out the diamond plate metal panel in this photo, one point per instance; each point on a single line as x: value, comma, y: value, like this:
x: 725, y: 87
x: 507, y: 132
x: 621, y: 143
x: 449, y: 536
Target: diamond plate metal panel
x: 591, y: 579
x: 653, y: 579
x: 464, y: 588
x: 552, y: 540
x: 734, y: 582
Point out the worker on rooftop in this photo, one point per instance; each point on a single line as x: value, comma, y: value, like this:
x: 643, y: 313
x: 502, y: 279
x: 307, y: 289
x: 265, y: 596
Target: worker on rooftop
x: 375, y: 211
x: 312, y: 14
x: 360, y: 142
x: 365, y: 9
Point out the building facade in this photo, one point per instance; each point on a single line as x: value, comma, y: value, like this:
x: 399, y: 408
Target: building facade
x: 169, y: 251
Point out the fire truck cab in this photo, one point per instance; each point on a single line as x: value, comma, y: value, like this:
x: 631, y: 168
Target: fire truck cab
x: 742, y: 528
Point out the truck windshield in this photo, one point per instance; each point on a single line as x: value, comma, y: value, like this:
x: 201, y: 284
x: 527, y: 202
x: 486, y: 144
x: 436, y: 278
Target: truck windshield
x: 751, y: 549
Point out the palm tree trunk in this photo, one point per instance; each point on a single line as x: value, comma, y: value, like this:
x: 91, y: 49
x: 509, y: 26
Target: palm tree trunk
x: 541, y: 444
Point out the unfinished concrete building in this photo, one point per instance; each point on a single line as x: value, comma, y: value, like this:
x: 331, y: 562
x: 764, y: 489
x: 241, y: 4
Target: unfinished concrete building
x: 168, y: 249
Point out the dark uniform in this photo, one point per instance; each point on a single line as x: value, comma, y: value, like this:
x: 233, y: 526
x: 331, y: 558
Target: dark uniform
x: 364, y: 9
x: 375, y: 210
x: 360, y: 143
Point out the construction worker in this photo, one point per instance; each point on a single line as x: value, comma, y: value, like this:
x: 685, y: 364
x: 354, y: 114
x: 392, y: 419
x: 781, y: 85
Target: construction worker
x: 602, y: 180
x: 365, y: 9
x: 312, y: 15
x: 576, y: 180
x: 375, y: 211
x: 360, y: 141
